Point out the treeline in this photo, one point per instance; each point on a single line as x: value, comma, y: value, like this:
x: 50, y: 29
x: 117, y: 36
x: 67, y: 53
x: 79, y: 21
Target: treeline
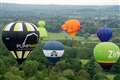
x: 89, y: 16
x: 88, y: 26
x: 77, y: 64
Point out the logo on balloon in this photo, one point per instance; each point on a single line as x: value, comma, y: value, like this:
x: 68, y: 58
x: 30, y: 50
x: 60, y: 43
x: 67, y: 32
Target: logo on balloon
x: 54, y: 53
x: 113, y: 53
x: 26, y: 43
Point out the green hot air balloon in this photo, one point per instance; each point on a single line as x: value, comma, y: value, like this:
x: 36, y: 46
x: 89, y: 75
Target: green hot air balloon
x: 106, y: 54
x: 42, y: 29
x: 20, y: 38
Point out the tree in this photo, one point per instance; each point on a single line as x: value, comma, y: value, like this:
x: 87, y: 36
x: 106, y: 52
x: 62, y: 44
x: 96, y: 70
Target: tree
x: 117, y: 77
x: 92, y: 68
x: 37, y: 54
x: 86, y: 35
x: 15, y: 70
x: 9, y: 60
x: 53, y: 75
x: 100, y: 76
x: 2, y: 77
x: 30, y: 68
x: 116, y: 40
x: 11, y: 76
x: 116, y: 67
x: 62, y: 78
x: 75, y: 64
x: 3, y: 67
x: 84, y: 75
x: 70, y: 52
x: 69, y: 74
x: 32, y: 78
x: 41, y: 75
x: 62, y: 65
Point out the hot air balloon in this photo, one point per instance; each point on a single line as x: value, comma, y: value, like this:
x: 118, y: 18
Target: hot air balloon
x: 104, y: 34
x: 42, y: 29
x: 106, y: 54
x: 71, y: 26
x: 20, y: 38
x: 53, y: 50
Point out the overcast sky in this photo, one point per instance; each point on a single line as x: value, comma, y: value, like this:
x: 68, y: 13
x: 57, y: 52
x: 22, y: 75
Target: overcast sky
x: 65, y: 2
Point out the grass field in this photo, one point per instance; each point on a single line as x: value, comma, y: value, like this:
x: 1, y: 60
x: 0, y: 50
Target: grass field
x: 63, y: 36
x: 56, y: 36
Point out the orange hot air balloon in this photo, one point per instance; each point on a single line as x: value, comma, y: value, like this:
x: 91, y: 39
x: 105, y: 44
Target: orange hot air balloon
x: 71, y: 26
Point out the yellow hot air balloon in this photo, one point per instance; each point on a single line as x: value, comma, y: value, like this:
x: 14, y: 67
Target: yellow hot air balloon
x: 42, y: 30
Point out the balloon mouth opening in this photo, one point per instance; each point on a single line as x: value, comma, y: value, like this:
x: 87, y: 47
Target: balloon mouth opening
x: 20, y: 61
x: 73, y: 34
x: 106, y: 66
x: 53, y: 59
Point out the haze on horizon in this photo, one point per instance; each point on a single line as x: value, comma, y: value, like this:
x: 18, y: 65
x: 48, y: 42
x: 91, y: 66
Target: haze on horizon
x: 64, y: 2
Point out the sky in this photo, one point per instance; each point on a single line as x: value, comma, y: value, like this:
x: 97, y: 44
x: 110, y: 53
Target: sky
x: 64, y: 2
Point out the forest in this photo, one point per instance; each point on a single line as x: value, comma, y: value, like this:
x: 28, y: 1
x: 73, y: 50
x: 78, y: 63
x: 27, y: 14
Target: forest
x: 78, y: 61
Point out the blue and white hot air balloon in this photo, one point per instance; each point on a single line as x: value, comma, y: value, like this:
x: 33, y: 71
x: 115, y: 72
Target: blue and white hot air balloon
x: 104, y: 34
x: 53, y: 50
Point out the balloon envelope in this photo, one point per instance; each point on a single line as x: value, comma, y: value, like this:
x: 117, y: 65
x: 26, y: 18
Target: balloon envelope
x: 20, y: 38
x: 104, y: 34
x: 53, y: 50
x: 41, y: 23
x: 71, y: 26
x: 106, y: 54
x: 42, y: 30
